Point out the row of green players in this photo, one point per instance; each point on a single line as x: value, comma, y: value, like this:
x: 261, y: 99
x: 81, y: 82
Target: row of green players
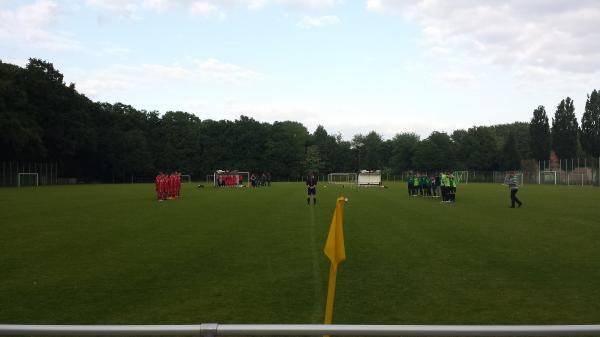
x: 442, y: 184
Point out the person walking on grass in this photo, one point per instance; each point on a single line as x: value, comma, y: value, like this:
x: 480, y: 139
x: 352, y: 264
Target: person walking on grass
x: 513, y: 185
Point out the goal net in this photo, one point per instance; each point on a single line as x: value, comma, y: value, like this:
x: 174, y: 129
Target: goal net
x: 230, y: 178
x: 186, y: 178
x: 342, y: 178
x: 575, y: 179
x: 369, y: 178
x: 548, y: 177
x: 27, y: 179
x: 461, y: 177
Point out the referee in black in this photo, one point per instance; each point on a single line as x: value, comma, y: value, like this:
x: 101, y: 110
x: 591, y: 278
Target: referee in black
x: 311, y: 182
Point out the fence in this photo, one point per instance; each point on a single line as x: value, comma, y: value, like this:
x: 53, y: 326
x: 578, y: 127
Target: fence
x: 47, y: 172
x: 213, y: 330
x: 577, y: 177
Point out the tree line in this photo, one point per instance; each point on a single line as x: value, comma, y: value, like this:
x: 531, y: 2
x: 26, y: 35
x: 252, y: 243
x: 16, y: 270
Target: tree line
x: 43, y: 119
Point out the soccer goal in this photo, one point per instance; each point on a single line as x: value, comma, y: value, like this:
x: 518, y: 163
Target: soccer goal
x: 186, y: 178
x: 369, y: 178
x: 461, y: 176
x: 575, y: 179
x: 230, y: 178
x: 342, y: 178
x: 27, y: 179
x: 548, y: 177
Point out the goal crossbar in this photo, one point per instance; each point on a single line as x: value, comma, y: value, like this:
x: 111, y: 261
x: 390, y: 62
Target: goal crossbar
x: 342, y: 178
x: 217, y: 174
x: 20, y: 174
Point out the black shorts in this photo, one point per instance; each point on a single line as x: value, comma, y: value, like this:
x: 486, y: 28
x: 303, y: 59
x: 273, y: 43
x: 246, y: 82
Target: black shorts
x: 312, y: 191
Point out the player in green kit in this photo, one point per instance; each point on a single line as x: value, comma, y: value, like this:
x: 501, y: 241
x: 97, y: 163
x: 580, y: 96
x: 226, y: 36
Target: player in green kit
x: 416, y: 181
x: 443, y: 186
x: 452, y: 188
x: 411, y: 186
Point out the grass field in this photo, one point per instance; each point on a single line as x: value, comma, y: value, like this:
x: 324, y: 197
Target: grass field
x: 112, y: 254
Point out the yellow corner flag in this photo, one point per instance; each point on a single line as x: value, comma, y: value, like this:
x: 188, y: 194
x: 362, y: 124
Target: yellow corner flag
x: 336, y: 252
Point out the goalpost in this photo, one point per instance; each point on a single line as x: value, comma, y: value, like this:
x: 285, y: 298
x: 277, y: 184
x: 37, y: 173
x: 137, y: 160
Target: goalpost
x: 27, y: 179
x: 575, y: 179
x: 342, y: 178
x: 230, y: 178
x: 547, y: 177
x: 188, y: 178
x: 462, y: 176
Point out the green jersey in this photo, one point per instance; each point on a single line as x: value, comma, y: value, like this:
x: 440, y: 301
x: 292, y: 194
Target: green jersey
x: 443, y: 180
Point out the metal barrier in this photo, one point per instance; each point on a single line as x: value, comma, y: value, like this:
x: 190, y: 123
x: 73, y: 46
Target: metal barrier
x: 214, y: 329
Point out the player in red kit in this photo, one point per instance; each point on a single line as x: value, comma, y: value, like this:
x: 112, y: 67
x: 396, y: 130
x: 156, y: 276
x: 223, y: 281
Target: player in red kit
x: 157, y: 186
x: 162, y: 187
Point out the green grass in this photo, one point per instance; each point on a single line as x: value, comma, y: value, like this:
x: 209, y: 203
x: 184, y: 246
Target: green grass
x: 112, y: 254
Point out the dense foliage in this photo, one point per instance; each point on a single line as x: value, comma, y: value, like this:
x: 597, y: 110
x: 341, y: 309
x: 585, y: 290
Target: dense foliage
x: 539, y: 133
x: 565, y: 130
x: 43, y: 119
x: 590, y: 125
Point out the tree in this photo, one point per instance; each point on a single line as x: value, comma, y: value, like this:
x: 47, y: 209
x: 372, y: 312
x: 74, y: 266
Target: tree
x: 565, y: 130
x: 424, y: 155
x: 312, y: 163
x: 403, y: 148
x: 590, y: 125
x: 445, y: 158
x: 510, y: 158
x: 327, y: 149
x: 458, y: 138
x: 285, y: 149
x: 478, y: 149
x: 539, y: 134
x: 357, y: 145
x: 434, y: 153
x: 373, y: 143
x: 519, y: 130
x: 20, y: 132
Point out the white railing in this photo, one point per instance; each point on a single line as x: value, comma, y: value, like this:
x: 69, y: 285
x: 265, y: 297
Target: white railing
x: 213, y: 329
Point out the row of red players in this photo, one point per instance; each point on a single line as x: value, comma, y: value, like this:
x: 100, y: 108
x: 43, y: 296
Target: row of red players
x: 230, y: 180
x: 168, y: 186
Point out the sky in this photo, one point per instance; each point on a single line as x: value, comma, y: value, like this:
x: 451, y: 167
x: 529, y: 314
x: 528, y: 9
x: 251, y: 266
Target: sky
x: 352, y: 66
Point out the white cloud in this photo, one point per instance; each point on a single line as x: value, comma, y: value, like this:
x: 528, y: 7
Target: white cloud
x: 310, y: 5
x: 227, y: 72
x: 457, y: 78
x: 316, y: 22
x: 205, y: 8
x: 32, y: 25
x: 555, y: 34
x: 119, y: 79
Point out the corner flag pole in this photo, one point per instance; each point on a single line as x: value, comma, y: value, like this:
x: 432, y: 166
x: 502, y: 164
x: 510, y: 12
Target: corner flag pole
x: 336, y: 252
